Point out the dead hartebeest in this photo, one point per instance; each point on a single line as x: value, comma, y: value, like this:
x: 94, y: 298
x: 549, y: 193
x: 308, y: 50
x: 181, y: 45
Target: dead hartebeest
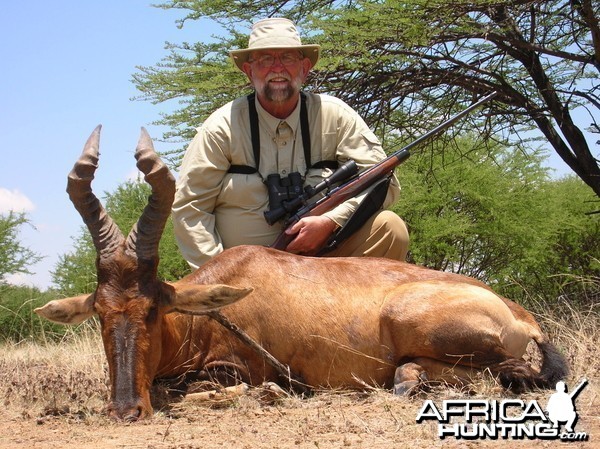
x: 335, y: 322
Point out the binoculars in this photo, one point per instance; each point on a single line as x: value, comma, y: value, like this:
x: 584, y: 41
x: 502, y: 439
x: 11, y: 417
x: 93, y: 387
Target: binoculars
x: 282, y: 191
x: 286, y: 195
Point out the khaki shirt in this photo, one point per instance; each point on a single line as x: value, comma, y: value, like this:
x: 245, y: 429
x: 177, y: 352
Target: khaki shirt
x: 214, y: 209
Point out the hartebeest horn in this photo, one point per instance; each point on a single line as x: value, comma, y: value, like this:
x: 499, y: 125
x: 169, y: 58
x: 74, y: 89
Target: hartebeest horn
x: 105, y: 233
x: 145, y: 235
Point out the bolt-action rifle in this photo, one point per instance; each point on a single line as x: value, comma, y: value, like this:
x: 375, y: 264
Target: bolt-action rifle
x: 299, y: 207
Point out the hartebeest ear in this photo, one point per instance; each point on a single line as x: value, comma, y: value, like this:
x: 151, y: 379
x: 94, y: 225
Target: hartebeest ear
x: 202, y: 298
x: 72, y: 310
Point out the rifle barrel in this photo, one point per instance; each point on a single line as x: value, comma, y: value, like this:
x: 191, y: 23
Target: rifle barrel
x: 450, y: 121
x: 438, y: 129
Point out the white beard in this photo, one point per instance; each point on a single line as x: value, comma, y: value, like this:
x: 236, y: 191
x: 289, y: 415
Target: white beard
x: 280, y: 94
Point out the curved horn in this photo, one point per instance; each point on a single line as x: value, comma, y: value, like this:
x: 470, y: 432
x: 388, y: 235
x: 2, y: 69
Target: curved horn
x: 105, y: 233
x: 145, y: 235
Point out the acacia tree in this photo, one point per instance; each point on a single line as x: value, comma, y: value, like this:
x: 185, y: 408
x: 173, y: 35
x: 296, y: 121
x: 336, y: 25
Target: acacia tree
x: 402, y: 64
x: 498, y: 216
x: 542, y: 57
x: 14, y: 257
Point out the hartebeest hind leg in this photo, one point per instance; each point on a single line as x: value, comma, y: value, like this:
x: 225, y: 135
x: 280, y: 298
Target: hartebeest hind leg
x: 408, y: 378
x: 446, y: 331
x: 512, y: 373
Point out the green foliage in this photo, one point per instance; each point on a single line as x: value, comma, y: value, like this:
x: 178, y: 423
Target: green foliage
x: 75, y: 272
x: 570, y: 269
x: 473, y: 214
x: 496, y: 215
x: 201, y: 77
x: 18, y: 322
x: 14, y: 257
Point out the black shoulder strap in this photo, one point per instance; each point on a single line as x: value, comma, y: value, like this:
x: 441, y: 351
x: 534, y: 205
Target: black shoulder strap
x: 254, y: 131
x: 255, y: 138
x: 305, y: 130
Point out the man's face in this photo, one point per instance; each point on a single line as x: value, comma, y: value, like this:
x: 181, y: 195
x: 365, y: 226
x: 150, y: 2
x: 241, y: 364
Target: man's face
x: 277, y: 75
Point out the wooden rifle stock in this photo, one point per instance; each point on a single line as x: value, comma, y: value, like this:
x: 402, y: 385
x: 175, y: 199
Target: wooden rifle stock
x: 366, y: 179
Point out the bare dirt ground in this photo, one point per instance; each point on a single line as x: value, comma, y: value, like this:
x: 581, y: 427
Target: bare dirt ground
x: 65, y: 410
x: 54, y: 395
x: 343, y: 420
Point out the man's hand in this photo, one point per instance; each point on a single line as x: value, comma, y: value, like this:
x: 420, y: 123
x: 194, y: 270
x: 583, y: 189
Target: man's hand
x: 311, y: 233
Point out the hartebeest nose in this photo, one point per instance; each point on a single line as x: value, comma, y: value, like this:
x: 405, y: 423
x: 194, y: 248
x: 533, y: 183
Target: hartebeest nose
x: 132, y: 415
x: 126, y: 413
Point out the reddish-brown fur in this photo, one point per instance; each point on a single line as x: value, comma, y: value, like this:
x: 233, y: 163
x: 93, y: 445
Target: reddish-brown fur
x: 334, y: 321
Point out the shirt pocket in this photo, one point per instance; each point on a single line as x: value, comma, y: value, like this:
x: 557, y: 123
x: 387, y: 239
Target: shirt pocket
x: 329, y: 144
x: 370, y: 137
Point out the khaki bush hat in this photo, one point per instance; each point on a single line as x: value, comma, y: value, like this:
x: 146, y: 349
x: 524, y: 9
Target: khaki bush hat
x: 271, y: 34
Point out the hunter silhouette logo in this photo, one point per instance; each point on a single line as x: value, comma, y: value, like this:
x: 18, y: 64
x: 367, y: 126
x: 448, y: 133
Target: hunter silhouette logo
x: 507, y: 419
x: 561, y: 405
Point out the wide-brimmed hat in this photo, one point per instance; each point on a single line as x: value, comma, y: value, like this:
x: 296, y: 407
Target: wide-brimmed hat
x: 271, y: 34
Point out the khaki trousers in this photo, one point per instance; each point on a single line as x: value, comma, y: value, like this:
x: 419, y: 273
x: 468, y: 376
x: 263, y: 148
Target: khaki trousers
x: 383, y: 235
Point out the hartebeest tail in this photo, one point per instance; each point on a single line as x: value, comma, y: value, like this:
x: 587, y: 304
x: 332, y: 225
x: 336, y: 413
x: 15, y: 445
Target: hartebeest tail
x: 335, y: 322
x: 554, y: 366
x: 517, y: 376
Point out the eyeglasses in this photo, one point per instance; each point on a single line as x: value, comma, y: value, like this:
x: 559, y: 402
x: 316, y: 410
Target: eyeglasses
x: 286, y: 59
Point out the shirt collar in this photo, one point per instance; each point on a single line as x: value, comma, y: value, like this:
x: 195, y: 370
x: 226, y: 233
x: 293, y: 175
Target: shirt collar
x: 292, y: 120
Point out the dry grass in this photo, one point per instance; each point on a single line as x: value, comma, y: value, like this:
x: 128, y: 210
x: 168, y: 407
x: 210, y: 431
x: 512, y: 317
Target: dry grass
x: 575, y: 333
x: 69, y: 377
x: 63, y: 388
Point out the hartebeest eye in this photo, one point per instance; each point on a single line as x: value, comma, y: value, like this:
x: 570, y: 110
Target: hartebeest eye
x: 152, y: 315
